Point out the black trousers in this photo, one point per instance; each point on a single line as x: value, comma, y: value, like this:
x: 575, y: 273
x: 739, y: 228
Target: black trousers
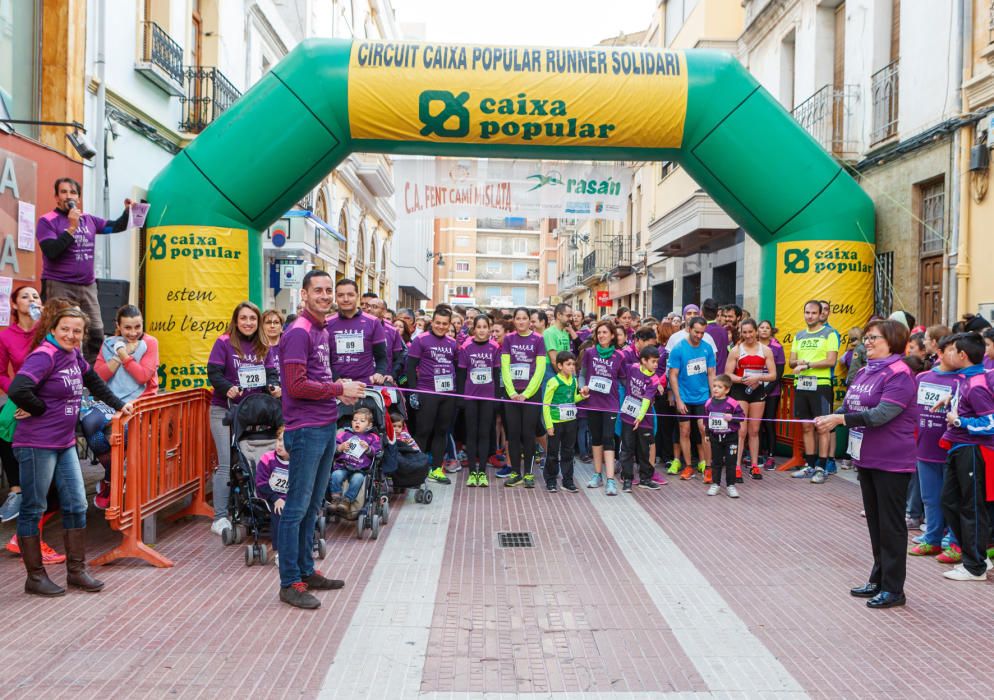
x: 479, y: 427
x: 520, y: 419
x: 884, y: 496
x: 635, y: 444
x: 724, y: 448
x: 10, y: 466
x: 434, y: 421
x: 964, y: 505
x: 667, y: 432
x: 768, y: 431
x: 560, y: 455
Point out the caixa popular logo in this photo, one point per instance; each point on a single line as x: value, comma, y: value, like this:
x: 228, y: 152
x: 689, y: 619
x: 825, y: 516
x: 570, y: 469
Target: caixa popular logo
x: 796, y: 261
x: 839, y: 261
x: 189, y: 246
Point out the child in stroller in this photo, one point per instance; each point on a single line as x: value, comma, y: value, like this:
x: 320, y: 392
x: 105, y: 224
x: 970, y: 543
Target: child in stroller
x: 357, y: 447
x: 272, y: 477
x: 406, y: 465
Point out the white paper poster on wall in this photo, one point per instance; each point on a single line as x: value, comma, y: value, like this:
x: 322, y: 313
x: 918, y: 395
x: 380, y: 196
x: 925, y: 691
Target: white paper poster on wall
x: 6, y: 285
x: 25, y: 225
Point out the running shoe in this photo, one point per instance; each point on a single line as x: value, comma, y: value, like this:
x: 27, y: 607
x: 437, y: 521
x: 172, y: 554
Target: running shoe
x: 701, y: 466
x: 12, y: 546
x: 570, y: 487
x: 648, y: 484
x: 819, y: 476
x: 918, y: 539
x: 438, y: 476
x: 586, y: 459
x: 707, y: 476
x: 659, y: 479
x: 452, y: 466
x: 769, y: 465
x: 687, y: 474
x: 481, y: 480
x: 551, y: 487
x: 803, y: 473
x: 609, y: 488
x: 714, y: 490
x: 747, y: 460
x: 950, y: 555
x: 11, y: 507
x: 626, y: 485
x: 101, y: 499
x: 959, y: 573
x: 471, y: 479
x: 504, y: 472
x: 529, y: 480
x: 514, y: 480
x: 990, y: 553
x: 756, y: 473
x: 596, y: 481
x: 925, y: 550
x: 674, y: 467
x: 50, y: 556
x: 496, y: 461
x: 831, y: 467
x: 738, y: 474
x: 732, y: 491
x: 219, y: 525
x: 461, y: 456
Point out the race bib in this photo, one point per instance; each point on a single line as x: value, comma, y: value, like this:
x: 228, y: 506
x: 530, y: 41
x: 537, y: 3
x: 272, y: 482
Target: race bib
x: 349, y: 343
x: 356, y: 448
x: 855, y: 444
x: 754, y: 372
x: 520, y: 371
x: 631, y: 406
x: 601, y: 385
x: 697, y: 366
x: 279, y: 480
x: 480, y: 375
x: 394, y: 398
x: 444, y: 382
x: 716, y: 421
x: 567, y: 411
x: 930, y: 394
x: 807, y: 383
x: 251, y: 376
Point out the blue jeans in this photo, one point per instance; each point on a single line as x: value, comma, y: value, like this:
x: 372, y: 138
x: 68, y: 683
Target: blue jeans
x: 312, y: 452
x: 584, y: 442
x: 930, y: 484
x: 355, y: 479
x: 38, y: 467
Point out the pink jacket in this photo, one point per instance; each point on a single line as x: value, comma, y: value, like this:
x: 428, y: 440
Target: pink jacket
x: 15, y: 346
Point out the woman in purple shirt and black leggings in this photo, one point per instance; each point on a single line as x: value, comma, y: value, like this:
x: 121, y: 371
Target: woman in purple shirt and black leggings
x: 878, y: 410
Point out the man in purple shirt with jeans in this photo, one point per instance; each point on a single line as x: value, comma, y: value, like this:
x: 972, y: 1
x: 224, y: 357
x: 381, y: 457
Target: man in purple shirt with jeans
x: 66, y: 237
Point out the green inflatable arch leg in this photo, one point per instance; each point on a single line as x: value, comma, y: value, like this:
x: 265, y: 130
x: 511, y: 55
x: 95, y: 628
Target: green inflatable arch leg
x: 330, y: 98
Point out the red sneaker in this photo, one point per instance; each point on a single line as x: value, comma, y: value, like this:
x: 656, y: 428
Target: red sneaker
x: 102, y: 498
x: 50, y: 556
x: 756, y: 473
x: 951, y: 555
x: 12, y: 546
x: 707, y: 475
x: 687, y: 473
x: 738, y: 473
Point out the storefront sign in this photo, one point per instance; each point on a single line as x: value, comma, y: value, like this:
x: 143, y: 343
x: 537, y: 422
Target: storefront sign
x: 18, y: 197
x: 196, y: 276
x: 603, y: 298
x: 292, y: 274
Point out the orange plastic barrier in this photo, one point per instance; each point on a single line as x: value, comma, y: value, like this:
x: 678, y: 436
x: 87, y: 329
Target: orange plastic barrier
x: 169, y: 456
x: 789, y: 433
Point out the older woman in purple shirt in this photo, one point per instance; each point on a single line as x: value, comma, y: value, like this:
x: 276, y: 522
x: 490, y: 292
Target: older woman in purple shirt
x: 878, y: 410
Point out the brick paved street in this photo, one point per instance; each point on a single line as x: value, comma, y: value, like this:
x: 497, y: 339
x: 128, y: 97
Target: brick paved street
x: 665, y: 594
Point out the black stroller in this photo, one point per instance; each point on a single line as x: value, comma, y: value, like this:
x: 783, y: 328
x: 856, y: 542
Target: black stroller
x: 254, y: 423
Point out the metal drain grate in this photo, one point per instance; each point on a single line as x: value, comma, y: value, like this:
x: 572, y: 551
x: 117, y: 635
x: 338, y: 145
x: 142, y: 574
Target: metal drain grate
x: 514, y: 539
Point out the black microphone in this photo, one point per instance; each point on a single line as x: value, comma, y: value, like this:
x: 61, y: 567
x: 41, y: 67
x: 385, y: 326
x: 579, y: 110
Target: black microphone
x: 71, y: 204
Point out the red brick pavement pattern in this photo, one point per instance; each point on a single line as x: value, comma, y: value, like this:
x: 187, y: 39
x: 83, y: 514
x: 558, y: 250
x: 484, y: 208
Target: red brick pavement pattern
x: 209, y: 626
x: 568, y: 615
x: 784, y: 557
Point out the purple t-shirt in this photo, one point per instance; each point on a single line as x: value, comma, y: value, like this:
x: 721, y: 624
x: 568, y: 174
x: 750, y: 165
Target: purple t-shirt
x: 933, y: 386
x: 352, y: 341
x: 717, y: 425
x: 58, y: 375
x: 395, y: 345
x: 973, y: 398
x: 638, y: 386
x: 988, y: 363
x: 779, y: 358
x: 245, y: 371
x: 482, y: 364
x: 602, y: 376
x: 305, y: 342
x: 75, y: 265
x: 359, y: 461
x: 889, y: 447
x: 523, y: 350
x: 436, y: 362
x: 719, y: 335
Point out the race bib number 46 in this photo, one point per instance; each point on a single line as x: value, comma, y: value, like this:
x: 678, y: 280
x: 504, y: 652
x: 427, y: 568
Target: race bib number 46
x: 698, y: 366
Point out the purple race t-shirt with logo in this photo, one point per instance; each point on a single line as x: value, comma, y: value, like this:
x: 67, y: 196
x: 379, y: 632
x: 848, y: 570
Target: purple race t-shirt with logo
x: 638, y: 386
x: 779, y: 358
x: 523, y: 350
x: 394, y: 343
x: 352, y: 341
x: 933, y: 386
x: 353, y: 459
x: 602, y: 377
x: 436, y: 362
x: 75, y: 265
x: 58, y: 376
x: 306, y: 343
x: 245, y: 371
x: 972, y: 398
x: 482, y: 363
x: 889, y: 447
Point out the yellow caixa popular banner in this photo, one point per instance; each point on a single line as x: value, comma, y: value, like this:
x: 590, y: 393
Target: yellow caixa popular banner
x: 196, y: 276
x: 840, y: 272
x: 447, y: 93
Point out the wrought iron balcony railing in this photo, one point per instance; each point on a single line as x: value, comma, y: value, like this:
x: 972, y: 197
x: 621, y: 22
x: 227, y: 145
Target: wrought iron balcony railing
x: 829, y: 115
x: 159, y: 49
x: 885, y: 86
x: 208, y: 94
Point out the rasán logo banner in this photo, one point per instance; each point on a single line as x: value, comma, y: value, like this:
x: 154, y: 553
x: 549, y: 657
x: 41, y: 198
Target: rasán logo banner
x: 596, y: 96
x: 441, y: 188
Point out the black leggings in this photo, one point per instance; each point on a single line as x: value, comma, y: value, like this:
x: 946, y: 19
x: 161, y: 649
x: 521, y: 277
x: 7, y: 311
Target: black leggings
x: 434, y: 421
x: 520, y: 418
x: 602, y: 429
x: 10, y: 467
x: 768, y: 432
x: 479, y: 426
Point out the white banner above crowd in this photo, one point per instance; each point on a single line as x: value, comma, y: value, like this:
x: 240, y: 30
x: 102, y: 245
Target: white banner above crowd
x: 443, y: 188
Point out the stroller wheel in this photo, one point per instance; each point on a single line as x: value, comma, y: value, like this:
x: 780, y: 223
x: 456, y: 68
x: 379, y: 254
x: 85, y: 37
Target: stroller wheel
x: 263, y: 553
x: 374, y: 524
x: 322, y: 548
x: 419, y: 496
x: 385, y: 513
x: 384, y: 500
x: 240, y: 532
x: 249, y: 555
x: 227, y: 536
x: 360, y: 525
x: 428, y: 496
x: 322, y: 524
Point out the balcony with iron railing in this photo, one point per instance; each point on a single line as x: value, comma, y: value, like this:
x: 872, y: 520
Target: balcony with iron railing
x: 596, y: 264
x: 506, y: 247
x: 504, y: 275
x: 568, y: 280
x: 161, y: 59
x: 620, y: 255
x: 208, y: 93
x: 884, y: 86
x: 829, y: 116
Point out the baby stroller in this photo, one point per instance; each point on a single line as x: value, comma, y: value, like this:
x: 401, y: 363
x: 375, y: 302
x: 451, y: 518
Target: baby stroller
x: 375, y: 509
x: 254, y: 423
x: 405, y: 467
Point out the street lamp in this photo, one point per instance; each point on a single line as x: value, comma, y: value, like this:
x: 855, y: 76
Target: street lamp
x: 441, y: 261
x: 77, y: 138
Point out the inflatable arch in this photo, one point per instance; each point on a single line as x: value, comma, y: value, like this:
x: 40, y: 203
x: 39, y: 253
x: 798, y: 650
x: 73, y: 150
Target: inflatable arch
x: 329, y: 98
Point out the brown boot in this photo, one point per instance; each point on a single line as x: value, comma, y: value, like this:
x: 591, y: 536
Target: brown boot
x: 38, y: 582
x: 75, y: 539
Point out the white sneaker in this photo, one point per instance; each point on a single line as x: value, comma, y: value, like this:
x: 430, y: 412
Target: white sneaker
x: 714, y: 489
x: 990, y: 564
x: 276, y: 560
x: 732, y: 491
x: 218, y: 527
x: 959, y: 573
